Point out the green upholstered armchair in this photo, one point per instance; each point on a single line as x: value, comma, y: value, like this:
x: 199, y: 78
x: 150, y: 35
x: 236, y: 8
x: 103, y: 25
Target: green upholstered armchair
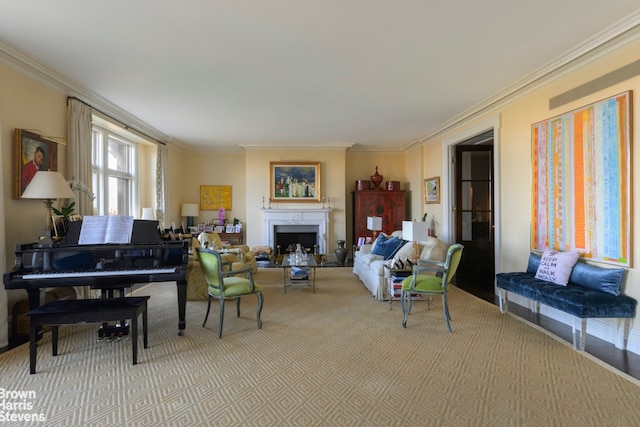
x: 224, y: 285
x: 238, y: 258
x: 430, y: 284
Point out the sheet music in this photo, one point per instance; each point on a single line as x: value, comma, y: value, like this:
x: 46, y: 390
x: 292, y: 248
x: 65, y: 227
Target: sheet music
x: 106, y: 229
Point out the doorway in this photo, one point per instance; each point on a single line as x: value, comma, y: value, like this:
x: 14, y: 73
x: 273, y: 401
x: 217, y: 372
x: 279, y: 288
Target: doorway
x: 474, y: 217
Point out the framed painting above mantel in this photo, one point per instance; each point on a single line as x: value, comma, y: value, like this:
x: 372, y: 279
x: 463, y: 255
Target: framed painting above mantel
x: 295, y: 182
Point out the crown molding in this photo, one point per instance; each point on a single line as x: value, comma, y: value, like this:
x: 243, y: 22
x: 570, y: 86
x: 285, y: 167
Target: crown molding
x: 608, y: 40
x: 50, y: 77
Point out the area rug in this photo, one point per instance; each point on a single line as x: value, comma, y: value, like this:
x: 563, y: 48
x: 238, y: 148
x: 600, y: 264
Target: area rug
x: 336, y: 357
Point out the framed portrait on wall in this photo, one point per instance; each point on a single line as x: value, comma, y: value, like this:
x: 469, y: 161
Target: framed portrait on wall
x: 31, y: 153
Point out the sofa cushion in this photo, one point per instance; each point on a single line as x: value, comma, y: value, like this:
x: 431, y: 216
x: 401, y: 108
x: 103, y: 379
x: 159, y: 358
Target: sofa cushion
x: 402, y: 255
x: 367, y: 259
x: 556, y: 266
x: 392, y: 246
x: 378, y: 245
x: 433, y: 249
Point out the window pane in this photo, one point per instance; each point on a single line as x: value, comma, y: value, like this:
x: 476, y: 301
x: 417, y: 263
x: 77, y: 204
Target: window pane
x: 476, y: 165
x: 119, y: 196
x: 118, y: 156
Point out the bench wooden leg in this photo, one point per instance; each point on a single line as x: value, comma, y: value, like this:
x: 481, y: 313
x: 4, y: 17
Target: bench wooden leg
x: 33, y: 346
x: 145, y: 340
x: 134, y: 338
x: 54, y: 340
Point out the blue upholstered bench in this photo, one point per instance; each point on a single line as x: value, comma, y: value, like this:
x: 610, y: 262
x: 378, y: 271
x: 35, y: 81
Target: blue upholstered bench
x: 592, y: 292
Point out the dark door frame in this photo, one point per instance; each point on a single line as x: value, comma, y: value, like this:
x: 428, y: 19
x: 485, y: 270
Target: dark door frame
x: 448, y: 196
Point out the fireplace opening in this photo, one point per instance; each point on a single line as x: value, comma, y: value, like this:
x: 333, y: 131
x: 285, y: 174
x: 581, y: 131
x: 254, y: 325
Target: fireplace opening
x: 287, y: 236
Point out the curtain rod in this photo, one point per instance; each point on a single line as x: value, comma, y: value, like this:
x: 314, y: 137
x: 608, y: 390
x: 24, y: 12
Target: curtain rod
x: 125, y: 126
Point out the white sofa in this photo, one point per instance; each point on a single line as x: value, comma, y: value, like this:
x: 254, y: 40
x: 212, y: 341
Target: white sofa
x: 370, y: 269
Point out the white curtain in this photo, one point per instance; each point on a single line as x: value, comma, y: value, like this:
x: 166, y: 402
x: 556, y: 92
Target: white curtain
x: 4, y: 309
x: 161, y: 187
x: 79, y: 151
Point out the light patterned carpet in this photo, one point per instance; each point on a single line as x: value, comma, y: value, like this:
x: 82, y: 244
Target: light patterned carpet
x: 334, y: 358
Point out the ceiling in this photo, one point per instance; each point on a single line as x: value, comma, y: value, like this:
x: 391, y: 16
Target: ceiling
x: 365, y: 74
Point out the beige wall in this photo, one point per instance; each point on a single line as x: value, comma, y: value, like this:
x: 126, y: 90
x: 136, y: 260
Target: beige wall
x: 25, y: 103
x: 514, y: 162
x: 332, y: 175
x: 191, y: 170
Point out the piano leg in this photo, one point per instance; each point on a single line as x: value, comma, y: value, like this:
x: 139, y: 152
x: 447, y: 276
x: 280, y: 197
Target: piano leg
x: 181, y: 286
x: 34, y: 302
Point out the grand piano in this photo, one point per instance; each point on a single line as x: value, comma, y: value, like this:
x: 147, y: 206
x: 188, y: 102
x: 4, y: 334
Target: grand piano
x: 146, y: 259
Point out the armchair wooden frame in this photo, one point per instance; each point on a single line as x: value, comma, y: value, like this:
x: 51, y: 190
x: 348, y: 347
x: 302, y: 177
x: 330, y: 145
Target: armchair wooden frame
x: 224, y: 285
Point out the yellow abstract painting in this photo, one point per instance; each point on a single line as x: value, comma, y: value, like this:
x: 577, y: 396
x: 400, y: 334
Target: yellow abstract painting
x: 214, y: 197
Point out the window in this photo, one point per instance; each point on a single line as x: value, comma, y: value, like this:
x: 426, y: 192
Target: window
x: 114, y: 171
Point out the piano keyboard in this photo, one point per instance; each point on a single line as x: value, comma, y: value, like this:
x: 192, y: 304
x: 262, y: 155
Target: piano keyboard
x: 94, y: 273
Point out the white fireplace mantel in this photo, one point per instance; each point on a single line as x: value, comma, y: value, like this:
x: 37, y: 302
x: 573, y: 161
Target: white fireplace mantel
x: 296, y: 216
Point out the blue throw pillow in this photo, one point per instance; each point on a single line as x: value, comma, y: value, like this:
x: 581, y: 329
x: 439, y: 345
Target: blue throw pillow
x: 379, y: 244
x: 392, y: 246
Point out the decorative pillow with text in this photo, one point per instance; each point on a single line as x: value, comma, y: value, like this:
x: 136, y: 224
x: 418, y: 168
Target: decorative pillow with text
x: 556, y: 266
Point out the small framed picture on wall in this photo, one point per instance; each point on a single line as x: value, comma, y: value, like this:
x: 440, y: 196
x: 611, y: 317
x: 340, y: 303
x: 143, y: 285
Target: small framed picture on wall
x: 432, y: 190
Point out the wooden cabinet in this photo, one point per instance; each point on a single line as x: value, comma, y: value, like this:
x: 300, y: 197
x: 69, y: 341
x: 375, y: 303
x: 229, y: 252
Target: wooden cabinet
x: 389, y: 205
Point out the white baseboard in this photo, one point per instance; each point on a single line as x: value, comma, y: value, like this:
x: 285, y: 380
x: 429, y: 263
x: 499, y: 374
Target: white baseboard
x: 604, y: 329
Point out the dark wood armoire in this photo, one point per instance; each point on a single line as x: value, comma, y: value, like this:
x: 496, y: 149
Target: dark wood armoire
x: 387, y: 204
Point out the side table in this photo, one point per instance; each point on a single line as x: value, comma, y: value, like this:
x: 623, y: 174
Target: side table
x: 391, y: 275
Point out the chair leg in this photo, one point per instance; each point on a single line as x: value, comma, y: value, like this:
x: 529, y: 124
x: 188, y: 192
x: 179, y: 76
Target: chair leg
x: 260, y: 299
x: 221, y: 317
x: 206, y: 316
x: 238, y: 306
x: 445, y: 307
x: 403, y: 300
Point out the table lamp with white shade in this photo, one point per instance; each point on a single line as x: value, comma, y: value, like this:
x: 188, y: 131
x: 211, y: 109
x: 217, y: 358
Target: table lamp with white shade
x: 190, y: 210
x: 48, y: 186
x: 415, y: 231
x: 147, y: 214
x: 374, y: 223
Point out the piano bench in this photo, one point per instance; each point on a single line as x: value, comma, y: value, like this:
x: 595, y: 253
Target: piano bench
x: 69, y: 312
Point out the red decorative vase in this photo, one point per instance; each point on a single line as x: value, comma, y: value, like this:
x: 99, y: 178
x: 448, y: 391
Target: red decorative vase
x: 376, y: 179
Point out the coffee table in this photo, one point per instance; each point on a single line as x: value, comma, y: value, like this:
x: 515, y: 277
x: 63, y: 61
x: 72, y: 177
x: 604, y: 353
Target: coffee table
x: 308, y: 263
